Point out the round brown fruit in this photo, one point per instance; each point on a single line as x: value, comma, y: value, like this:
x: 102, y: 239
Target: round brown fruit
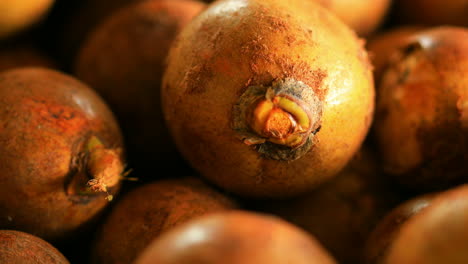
x: 383, y: 235
x: 267, y: 98
x: 236, y: 237
x: 149, y: 210
x: 342, y: 212
x: 124, y: 60
x: 19, y: 248
x: 421, y: 121
x: 60, y: 153
x: 437, y: 234
x: 17, y: 15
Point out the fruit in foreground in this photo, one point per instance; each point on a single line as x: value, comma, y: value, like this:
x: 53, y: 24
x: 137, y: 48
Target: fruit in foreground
x: 267, y: 98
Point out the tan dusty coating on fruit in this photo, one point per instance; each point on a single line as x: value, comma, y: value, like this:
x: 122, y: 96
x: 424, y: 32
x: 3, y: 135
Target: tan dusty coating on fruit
x: 22, y: 56
x: 124, y: 61
x: 363, y: 16
x: 432, y: 12
x: 235, y: 237
x: 17, y: 15
x: 342, y: 212
x: 237, y: 44
x: 421, y: 121
x: 438, y: 234
x: 383, y: 235
x: 382, y: 45
x: 18, y: 248
x: 46, y: 121
x: 150, y: 210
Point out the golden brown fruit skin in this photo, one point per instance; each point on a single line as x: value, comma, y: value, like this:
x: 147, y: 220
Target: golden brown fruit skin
x: 46, y: 118
x: 23, y: 56
x: 236, y: 237
x: 149, y: 210
x: 19, y: 248
x: 384, y: 234
x: 342, y: 212
x: 237, y: 44
x: 20, y: 14
x: 124, y: 61
x: 363, y: 16
x: 421, y: 121
x: 432, y: 12
x: 382, y: 45
x: 437, y: 234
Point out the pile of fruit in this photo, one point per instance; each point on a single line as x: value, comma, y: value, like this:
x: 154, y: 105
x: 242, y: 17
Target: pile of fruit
x: 234, y: 131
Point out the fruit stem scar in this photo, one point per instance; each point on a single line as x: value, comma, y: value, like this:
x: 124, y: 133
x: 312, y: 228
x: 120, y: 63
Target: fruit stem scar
x: 104, y: 166
x: 279, y: 119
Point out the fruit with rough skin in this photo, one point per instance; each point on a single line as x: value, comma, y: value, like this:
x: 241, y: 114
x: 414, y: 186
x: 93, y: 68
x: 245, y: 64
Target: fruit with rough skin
x: 421, y: 123
x: 235, y: 237
x: 61, y: 153
x: 124, y: 60
x: 385, y: 232
x: 154, y: 207
x: 342, y: 212
x: 17, y: 15
x: 19, y: 247
x: 267, y: 98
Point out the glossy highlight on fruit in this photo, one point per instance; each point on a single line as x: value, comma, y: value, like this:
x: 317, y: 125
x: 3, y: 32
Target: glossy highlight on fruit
x: 235, y: 237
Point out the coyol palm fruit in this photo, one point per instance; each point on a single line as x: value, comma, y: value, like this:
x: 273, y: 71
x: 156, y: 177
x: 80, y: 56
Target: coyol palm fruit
x: 421, y: 121
x: 363, y: 16
x: 342, y: 212
x: 124, y: 61
x: 236, y: 237
x: 432, y: 12
x: 60, y: 153
x: 22, y: 56
x: 437, y: 234
x: 18, y: 248
x: 16, y: 15
x: 382, y: 45
x: 267, y: 98
x: 154, y: 208
x: 388, y: 228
